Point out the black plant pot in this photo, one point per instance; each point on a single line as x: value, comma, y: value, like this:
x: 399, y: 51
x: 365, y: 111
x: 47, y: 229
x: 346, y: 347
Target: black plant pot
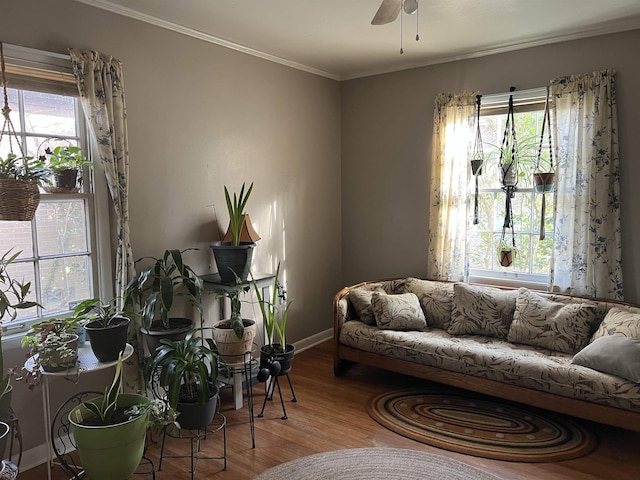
x: 274, y: 353
x: 194, y: 416
x: 108, y: 342
x: 63, y: 181
x: 178, y: 329
x: 233, y: 260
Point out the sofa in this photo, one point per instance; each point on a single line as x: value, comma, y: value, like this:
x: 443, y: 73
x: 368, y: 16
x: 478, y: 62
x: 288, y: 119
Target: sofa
x: 573, y: 355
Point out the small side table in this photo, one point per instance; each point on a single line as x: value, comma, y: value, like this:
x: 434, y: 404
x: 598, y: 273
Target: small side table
x: 87, y: 362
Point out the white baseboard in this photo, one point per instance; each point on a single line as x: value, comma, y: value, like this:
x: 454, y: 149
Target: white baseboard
x: 313, y: 340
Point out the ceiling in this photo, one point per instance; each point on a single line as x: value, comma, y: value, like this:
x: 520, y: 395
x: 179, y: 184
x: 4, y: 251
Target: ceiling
x: 335, y: 38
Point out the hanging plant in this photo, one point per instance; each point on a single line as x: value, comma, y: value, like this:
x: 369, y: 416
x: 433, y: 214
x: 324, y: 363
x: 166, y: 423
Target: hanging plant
x: 477, y: 159
x: 544, y: 175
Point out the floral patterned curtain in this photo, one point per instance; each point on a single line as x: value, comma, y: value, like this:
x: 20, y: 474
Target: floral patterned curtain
x: 587, y: 257
x: 453, y: 134
x: 100, y: 83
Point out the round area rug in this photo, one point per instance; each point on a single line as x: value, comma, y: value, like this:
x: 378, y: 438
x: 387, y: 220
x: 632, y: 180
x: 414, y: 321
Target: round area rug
x: 374, y: 464
x: 481, y: 426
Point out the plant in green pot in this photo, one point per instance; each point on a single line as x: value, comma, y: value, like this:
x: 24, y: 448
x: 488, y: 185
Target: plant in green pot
x: 109, y: 432
x: 65, y: 163
x: 106, y: 326
x: 234, y: 336
x: 187, y: 372
x: 152, y: 293
x: 234, y: 254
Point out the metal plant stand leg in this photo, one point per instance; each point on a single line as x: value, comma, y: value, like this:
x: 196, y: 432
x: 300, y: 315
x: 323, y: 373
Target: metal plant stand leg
x: 275, y: 382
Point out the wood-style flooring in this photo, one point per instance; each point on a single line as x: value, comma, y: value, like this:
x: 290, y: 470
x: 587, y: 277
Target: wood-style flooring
x: 331, y: 414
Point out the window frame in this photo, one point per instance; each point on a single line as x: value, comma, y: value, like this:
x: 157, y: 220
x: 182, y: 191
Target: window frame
x: 53, y: 71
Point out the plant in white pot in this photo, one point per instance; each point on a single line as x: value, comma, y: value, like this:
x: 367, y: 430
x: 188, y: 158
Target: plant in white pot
x: 234, y: 254
x: 153, y: 291
x: 234, y: 336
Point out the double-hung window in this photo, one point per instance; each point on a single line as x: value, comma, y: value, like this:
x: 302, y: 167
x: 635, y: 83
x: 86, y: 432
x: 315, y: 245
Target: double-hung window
x: 59, y: 247
x: 532, y: 261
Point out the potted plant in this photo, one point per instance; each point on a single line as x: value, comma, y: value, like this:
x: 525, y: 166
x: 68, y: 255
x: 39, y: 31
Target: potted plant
x: 110, y: 431
x: 19, y: 181
x: 234, y: 336
x: 506, y: 253
x: 187, y: 370
x: 153, y: 291
x: 53, y: 344
x: 275, y: 313
x: 64, y: 163
x: 13, y: 297
x: 233, y: 255
x: 106, y: 326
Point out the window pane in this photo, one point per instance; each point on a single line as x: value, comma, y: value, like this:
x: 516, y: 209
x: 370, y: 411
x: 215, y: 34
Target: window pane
x: 16, y: 236
x: 61, y: 227
x: 49, y: 114
x: 64, y: 280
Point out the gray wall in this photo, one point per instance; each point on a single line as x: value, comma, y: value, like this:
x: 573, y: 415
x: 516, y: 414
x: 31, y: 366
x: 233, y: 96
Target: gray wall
x: 387, y: 123
x: 202, y: 116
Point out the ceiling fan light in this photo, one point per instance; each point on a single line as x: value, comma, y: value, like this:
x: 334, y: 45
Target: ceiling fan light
x: 410, y: 6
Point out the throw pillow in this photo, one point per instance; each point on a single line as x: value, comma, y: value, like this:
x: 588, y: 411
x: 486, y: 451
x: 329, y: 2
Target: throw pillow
x: 398, y: 312
x: 563, y: 327
x: 612, y: 354
x: 481, y: 310
x: 436, y: 299
x: 360, y: 298
x: 620, y: 320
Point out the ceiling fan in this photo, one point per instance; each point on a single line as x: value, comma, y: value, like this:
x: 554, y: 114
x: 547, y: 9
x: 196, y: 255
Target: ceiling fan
x: 389, y: 10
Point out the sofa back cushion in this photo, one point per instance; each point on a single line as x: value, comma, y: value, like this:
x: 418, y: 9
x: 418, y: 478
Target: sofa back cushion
x: 397, y: 312
x: 436, y: 299
x: 620, y: 320
x: 561, y: 326
x: 481, y: 310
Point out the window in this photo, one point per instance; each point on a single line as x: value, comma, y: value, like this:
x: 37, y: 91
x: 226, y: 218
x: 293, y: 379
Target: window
x: 532, y: 261
x: 60, y: 254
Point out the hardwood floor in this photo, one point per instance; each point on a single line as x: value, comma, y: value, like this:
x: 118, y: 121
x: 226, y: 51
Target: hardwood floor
x: 330, y: 414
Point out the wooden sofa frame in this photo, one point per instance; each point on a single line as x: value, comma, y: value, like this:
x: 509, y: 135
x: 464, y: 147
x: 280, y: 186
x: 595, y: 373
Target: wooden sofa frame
x: 342, y: 354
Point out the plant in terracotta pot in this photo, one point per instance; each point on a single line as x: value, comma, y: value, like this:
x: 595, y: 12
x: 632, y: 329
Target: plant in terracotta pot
x: 106, y: 326
x: 65, y: 163
x: 234, y: 336
x: 153, y: 291
x: 187, y: 370
x: 110, y: 431
x: 234, y: 254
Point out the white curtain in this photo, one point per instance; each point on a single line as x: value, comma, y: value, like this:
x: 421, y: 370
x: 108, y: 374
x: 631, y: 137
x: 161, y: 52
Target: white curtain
x: 100, y: 83
x: 453, y: 134
x: 587, y: 258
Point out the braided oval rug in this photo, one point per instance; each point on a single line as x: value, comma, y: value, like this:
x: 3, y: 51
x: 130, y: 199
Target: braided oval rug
x: 481, y: 426
x: 374, y: 464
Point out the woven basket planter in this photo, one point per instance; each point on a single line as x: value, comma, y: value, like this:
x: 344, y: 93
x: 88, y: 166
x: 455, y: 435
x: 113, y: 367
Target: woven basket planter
x: 19, y: 199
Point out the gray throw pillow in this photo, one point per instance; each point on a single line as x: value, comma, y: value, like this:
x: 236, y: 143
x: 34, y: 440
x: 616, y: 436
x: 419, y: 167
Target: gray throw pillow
x: 612, y: 354
x: 398, y: 312
x: 563, y: 327
x: 481, y: 310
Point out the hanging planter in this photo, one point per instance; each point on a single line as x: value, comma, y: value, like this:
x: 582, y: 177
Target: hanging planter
x: 477, y: 159
x: 506, y: 253
x: 19, y: 175
x: 544, y: 176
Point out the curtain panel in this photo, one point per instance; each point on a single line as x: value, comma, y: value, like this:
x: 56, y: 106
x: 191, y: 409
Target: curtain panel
x: 453, y: 135
x: 587, y: 253
x: 101, y: 87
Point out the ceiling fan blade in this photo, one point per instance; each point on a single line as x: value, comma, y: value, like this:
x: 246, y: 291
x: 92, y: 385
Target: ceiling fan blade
x: 387, y: 13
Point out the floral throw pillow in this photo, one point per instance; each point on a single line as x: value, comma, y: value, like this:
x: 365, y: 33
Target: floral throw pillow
x: 563, y: 327
x: 620, y: 320
x: 436, y: 299
x: 481, y: 310
x: 398, y: 312
x: 360, y: 298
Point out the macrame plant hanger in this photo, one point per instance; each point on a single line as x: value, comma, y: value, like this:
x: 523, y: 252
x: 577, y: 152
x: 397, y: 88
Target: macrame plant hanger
x: 477, y: 158
x: 509, y: 178
x: 544, y: 180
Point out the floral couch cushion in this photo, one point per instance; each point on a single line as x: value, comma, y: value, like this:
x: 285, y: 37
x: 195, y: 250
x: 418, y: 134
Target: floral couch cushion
x: 436, y: 299
x: 398, y: 312
x: 496, y: 359
x: 564, y: 327
x: 360, y: 299
x: 620, y: 320
x: 481, y: 310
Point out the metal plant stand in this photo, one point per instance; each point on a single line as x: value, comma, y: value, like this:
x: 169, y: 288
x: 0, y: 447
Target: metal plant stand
x: 275, y: 382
